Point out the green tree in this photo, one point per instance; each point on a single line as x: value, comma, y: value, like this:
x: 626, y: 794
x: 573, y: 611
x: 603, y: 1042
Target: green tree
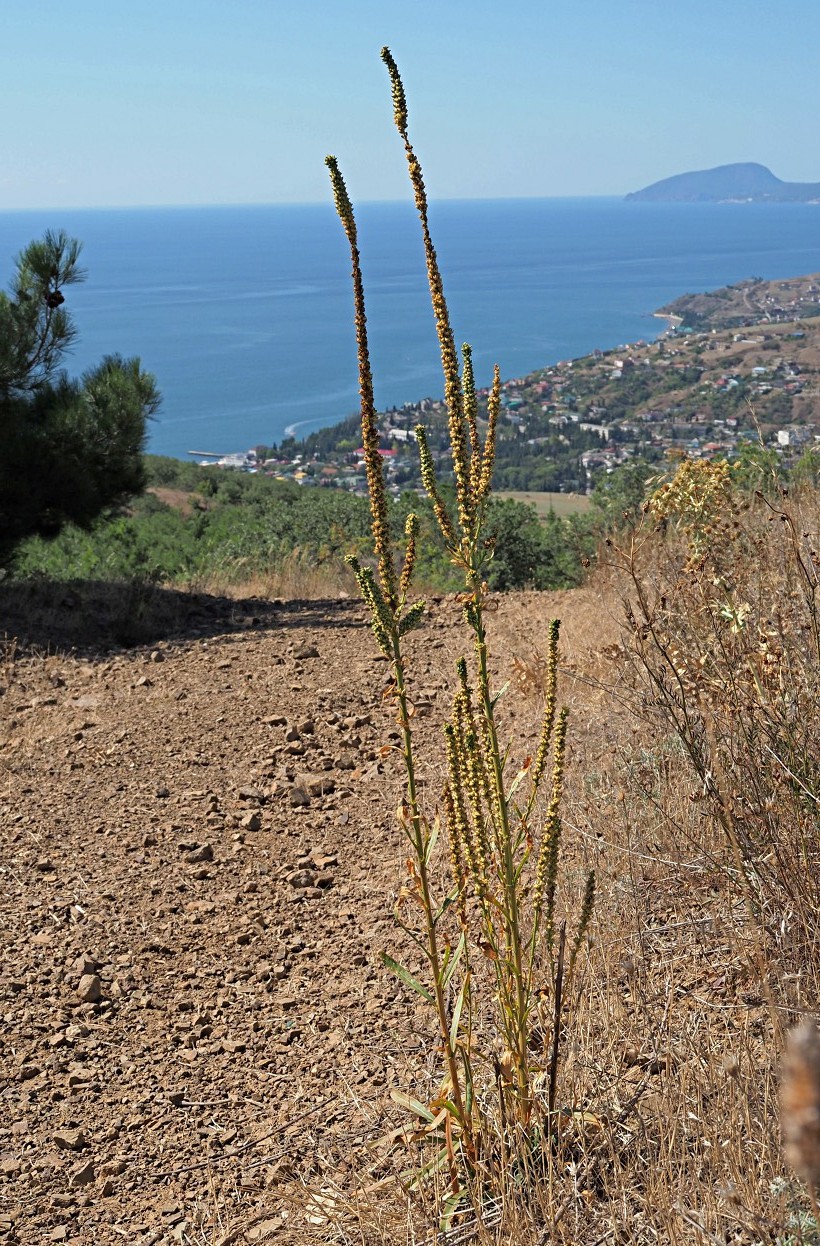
x: 69, y: 449
x: 618, y: 497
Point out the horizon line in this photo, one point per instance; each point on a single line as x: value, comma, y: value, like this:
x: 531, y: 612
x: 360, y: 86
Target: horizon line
x: 294, y: 203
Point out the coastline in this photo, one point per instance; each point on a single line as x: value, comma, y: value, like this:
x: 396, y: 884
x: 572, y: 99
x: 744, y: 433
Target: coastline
x: 239, y: 355
x: 674, y: 322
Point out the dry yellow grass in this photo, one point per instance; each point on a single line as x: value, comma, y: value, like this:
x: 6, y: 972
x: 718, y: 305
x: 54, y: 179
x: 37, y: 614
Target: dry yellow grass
x: 545, y: 503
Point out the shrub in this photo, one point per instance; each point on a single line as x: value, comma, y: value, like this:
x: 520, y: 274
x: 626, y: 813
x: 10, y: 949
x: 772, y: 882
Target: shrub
x: 725, y: 642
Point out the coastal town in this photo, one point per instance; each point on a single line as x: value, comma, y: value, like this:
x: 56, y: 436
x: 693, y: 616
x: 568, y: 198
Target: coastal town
x: 733, y: 366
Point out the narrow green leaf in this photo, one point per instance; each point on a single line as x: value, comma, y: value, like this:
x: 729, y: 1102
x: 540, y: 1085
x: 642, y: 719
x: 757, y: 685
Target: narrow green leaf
x: 417, y: 1179
x: 462, y: 995
x: 449, y: 1208
x: 468, y: 1081
x: 431, y: 842
x: 516, y: 783
x: 495, y: 698
x: 452, y: 962
x: 446, y: 904
x: 406, y: 977
x: 410, y: 933
x: 412, y: 1105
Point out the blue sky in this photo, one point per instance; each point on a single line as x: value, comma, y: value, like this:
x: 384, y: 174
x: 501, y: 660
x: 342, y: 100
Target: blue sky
x: 238, y: 101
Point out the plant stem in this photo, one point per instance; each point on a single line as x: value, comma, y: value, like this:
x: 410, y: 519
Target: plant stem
x: 511, y: 909
x: 420, y: 849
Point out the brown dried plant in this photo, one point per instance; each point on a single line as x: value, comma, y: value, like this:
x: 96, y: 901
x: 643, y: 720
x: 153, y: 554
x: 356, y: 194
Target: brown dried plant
x: 722, y: 596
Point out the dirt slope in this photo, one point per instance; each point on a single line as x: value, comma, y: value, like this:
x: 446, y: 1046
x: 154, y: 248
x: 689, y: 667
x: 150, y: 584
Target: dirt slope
x: 198, y: 860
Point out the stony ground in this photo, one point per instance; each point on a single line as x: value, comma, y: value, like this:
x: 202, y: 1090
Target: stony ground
x: 199, y: 854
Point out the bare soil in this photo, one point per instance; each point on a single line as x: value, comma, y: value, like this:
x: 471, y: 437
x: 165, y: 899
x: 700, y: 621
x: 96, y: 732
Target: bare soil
x: 199, y: 855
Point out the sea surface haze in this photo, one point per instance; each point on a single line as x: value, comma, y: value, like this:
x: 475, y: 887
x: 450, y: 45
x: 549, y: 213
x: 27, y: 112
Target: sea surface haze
x: 244, y: 314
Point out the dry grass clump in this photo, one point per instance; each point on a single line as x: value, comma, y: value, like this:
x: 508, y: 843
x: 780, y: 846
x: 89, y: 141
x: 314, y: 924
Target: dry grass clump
x: 725, y: 646
x: 297, y: 576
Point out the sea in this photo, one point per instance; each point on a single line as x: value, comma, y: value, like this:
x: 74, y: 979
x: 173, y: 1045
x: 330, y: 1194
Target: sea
x: 244, y: 314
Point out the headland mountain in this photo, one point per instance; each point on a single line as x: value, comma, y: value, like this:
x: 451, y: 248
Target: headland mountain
x: 728, y: 183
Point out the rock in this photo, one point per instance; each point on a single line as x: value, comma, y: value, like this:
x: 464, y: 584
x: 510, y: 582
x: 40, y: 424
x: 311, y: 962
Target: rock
x: 305, y: 651
x: 307, y: 727
x: 291, y: 735
x: 301, y: 878
x: 197, y: 855
x: 84, y: 964
x: 89, y: 988
x: 250, y: 822
x: 69, y: 1139
x: 114, y: 1167
x: 264, y: 1229
x: 298, y: 797
x: 315, y: 784
x: 250, y: 793
x: 81, y: 1174
x: 323, y: 861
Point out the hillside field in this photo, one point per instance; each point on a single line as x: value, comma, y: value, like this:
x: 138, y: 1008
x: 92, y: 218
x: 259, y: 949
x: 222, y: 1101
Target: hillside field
x: 201, y: 857
x: 560, y: 504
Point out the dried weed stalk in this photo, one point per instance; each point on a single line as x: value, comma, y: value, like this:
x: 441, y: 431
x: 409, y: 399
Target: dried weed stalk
x: 485, y: 913
x: 723, y: 613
